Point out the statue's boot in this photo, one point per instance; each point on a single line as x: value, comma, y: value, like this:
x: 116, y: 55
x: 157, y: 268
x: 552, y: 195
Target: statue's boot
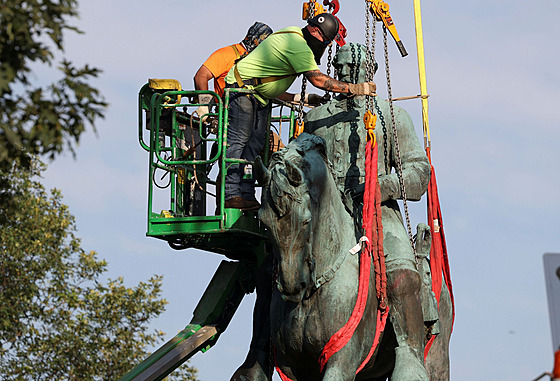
x: 258, y: 364
x: 408, y: 323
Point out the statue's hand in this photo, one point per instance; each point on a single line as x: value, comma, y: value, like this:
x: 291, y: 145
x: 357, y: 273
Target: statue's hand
x: 388, y: 186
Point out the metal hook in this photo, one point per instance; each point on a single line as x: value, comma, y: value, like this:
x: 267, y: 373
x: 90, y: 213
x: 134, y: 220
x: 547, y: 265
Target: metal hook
x: 332, y: 4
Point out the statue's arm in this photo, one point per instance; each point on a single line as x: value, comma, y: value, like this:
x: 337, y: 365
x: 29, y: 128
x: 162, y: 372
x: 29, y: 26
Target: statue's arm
x: 415, y: 164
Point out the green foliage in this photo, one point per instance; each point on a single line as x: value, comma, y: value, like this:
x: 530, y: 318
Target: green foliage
x: 58, y: 320
x: 45, y: 119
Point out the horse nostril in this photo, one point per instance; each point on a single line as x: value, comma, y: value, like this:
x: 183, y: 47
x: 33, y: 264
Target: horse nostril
x: 303, y: 285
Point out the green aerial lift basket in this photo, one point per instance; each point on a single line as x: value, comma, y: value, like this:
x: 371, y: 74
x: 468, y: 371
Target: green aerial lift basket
x: 187, y: 167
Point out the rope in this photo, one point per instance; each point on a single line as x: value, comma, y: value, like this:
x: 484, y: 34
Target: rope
x: 422, y: 72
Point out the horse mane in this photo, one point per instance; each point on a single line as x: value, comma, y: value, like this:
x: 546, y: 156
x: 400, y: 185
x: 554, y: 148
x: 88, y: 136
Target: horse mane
x: 286, y: 178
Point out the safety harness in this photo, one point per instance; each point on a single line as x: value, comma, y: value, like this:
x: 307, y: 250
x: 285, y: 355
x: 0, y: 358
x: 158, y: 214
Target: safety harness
x: 261, y: 80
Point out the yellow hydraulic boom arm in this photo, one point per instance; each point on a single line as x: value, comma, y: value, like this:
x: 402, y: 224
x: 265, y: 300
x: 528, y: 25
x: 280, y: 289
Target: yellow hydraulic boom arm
x: 380, y: 10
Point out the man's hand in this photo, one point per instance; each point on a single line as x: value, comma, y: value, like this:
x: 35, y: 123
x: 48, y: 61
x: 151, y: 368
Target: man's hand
x: 317, y: 100
x: 364, y: 88
x: 312, y: 99
x: 201, y: 111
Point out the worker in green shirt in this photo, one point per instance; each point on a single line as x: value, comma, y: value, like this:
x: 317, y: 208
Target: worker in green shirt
x: 270, y: 70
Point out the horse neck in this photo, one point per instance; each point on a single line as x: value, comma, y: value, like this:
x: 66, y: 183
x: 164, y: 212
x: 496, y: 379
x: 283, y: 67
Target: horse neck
x: 333, y: 228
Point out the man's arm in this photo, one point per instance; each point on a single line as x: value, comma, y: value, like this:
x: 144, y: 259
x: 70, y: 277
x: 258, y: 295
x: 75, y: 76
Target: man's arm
x: 324, y: 82
x: 201, y: 78
x: 286, y: 97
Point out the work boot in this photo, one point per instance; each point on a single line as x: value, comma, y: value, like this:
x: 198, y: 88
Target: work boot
x: 408, y: 323
x: 241, y: 203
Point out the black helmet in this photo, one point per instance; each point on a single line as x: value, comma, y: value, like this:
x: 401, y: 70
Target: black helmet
x: 255, y: 35
x: 327, y: 23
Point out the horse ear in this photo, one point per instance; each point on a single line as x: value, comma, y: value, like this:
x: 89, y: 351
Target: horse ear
x: 293, y: 173
x: 262, y: 174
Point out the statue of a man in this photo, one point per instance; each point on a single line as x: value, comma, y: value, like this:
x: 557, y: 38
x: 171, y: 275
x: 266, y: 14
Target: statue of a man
x: 340, y: 123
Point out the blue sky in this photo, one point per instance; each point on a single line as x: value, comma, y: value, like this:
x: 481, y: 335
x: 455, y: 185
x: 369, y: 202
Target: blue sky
x: 494, y: 115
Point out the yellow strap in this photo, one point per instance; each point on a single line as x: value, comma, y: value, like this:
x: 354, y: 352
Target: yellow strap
x: 238, y: 77
x: 422, y: 73
x: 273, y: 78
x: 237, y: 54
x: 259, y: 81
x: 289, y: 31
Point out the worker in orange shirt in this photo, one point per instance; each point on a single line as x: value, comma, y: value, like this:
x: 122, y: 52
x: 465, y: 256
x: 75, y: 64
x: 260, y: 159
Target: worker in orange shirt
x: 218, y: 64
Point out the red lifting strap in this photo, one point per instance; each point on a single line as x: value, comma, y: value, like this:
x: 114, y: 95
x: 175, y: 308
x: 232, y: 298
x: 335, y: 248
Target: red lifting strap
x: 556, y: 370
x: 373, y: 248
x: 439, y: 261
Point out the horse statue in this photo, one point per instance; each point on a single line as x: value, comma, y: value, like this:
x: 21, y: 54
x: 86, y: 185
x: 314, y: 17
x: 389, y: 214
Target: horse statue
x: 316, y: 277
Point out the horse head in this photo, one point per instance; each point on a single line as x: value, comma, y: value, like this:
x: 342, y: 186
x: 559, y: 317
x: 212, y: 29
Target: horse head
x: 294, y: 186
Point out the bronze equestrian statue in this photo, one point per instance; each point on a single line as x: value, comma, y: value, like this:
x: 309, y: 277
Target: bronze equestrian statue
x: 340, y: 123
x: 312, y: 211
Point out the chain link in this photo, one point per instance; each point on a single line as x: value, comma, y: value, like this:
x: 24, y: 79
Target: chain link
x: 370, y: 55
x: 302, y: 101
x: 371, y: 102
x: 396, y: 141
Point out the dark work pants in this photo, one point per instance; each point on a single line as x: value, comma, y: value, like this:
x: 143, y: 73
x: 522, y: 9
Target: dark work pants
x: 248, y: 123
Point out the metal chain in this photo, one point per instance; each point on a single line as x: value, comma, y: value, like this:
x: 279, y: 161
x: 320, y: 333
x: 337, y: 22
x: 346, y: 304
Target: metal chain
x: 302, y: 101
x: 329, y: 63
x: 335, y: 72
x: 396, y: 141
x: 353, y: 66
x: 304, y: 80
x: 370, y: 55
x: 357, y: 63
x: 351, y: 102
x: 372, y: 101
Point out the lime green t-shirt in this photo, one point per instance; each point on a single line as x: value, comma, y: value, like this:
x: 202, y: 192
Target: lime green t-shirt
x: 279, y: 54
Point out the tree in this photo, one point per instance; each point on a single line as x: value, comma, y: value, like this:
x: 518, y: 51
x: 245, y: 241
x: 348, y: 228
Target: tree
x: 58, y: 320
x: 41, y: 119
